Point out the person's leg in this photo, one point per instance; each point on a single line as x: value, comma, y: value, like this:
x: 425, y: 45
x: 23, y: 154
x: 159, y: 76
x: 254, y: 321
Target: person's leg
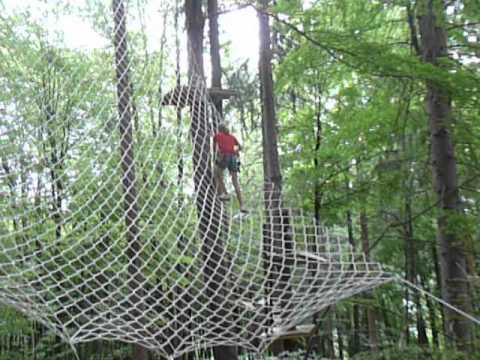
x: 220, y: 184
x: 236, y: 185
x: 219, y: 167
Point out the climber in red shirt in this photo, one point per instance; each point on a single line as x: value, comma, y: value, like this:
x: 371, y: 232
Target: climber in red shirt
x: 227, y: 150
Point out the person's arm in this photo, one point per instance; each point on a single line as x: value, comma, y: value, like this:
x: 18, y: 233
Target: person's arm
x: 238, y: 146
x: 215, y: 147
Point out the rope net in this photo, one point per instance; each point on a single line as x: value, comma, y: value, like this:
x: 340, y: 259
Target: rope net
x: 110, y: 224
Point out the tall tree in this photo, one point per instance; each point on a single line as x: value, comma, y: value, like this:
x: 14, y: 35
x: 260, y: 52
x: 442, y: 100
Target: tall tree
x: 130, y: 199
x: 209, y: 209
x: 220, y: 352
x: 371, y: 315
x: 434, y: 50
x: 215, y: 51
x: 277, y: 243
x: 272, y: 173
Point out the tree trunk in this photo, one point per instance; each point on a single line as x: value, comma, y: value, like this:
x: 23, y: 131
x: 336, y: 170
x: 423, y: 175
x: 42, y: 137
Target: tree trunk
x: 130, y: 199
x: 210, y: 213
x: 411, y: 276
x: 432, y: 316
x: 445, y: 179
x: 354, y: 343
x: 195, y: 23
x: 339, y: 337
x: 371, y: 315
x: 277, y: 241
x: 326, y: 339
x: 220, y: 352
x: 273, y: 173
x: 180, y: 169
x: 438, y: 279
x: 215, y: 51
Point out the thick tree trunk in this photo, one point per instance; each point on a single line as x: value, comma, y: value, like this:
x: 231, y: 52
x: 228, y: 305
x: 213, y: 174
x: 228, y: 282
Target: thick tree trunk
x: 445, y: 179
x: 277, y: 241
x: 215, y: 51
x: 124, y: 98
x: 273, y: 173
x: 210, y: 212
x: 195, y: 23
x: 220, y: 352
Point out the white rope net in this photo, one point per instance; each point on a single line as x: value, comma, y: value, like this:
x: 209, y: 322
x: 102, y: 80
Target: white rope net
x: 110, y: 225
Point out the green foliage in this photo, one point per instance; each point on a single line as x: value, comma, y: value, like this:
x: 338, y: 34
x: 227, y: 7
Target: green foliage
x: 413, y: 352
x: 352, y: 129
x: 12, y: 323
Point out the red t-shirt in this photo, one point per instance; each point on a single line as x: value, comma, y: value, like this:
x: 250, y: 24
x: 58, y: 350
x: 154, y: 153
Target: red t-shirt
x: 226, y: 143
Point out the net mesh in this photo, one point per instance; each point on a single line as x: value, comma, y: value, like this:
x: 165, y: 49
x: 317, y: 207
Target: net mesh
x: 111, y: 227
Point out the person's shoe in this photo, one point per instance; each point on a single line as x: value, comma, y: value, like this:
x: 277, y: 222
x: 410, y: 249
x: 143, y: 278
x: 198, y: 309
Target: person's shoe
x: 224, y: 197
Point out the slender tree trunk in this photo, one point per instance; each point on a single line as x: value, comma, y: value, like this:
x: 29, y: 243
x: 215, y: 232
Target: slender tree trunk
x: 180, y: 317
x: 431, y: 316
x: 179, y: 109
x: 385, y: 317
x: 341, y: 355
x: 411, y: 275
x: 163, y: 42
x: 327, y: 339
x: 452, y: 258
x: 316, y: 163
x: 438, y: 279
x: 410, y: 245
x: 354, y: 343
x: 130, y: 199
x: 371, y: 315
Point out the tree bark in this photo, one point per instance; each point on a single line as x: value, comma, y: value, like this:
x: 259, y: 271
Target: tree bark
x: 215, y: 51
x: 277, y: 240
x: 326, y: 339
x: 371, y: 315
x: 411, y: 274
x: 452, y: 258
x: 124, y: 97
x: 220, y: 352
x: 354, y: 343
x: 432, y: 316
x: 339, y: 337
x: 273, y: 173
x: 210, y: 212
x: 195, y: 23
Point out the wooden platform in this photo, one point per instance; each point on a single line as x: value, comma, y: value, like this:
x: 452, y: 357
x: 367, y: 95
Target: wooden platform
x: 293, y: 333
x: 185, y: 95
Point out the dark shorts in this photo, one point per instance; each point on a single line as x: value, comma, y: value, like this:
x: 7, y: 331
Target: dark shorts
x: 228, y: 161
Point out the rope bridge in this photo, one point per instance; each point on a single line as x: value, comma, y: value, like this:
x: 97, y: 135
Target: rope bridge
x: 110, y: 225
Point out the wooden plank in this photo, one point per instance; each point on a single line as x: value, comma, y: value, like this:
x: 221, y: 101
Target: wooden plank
x: 222, y: 93
x: 309, y: 255
x: 292, y: 333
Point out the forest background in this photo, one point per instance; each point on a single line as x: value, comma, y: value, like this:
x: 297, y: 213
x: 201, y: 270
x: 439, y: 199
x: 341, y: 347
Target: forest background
x: 370, y: 102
